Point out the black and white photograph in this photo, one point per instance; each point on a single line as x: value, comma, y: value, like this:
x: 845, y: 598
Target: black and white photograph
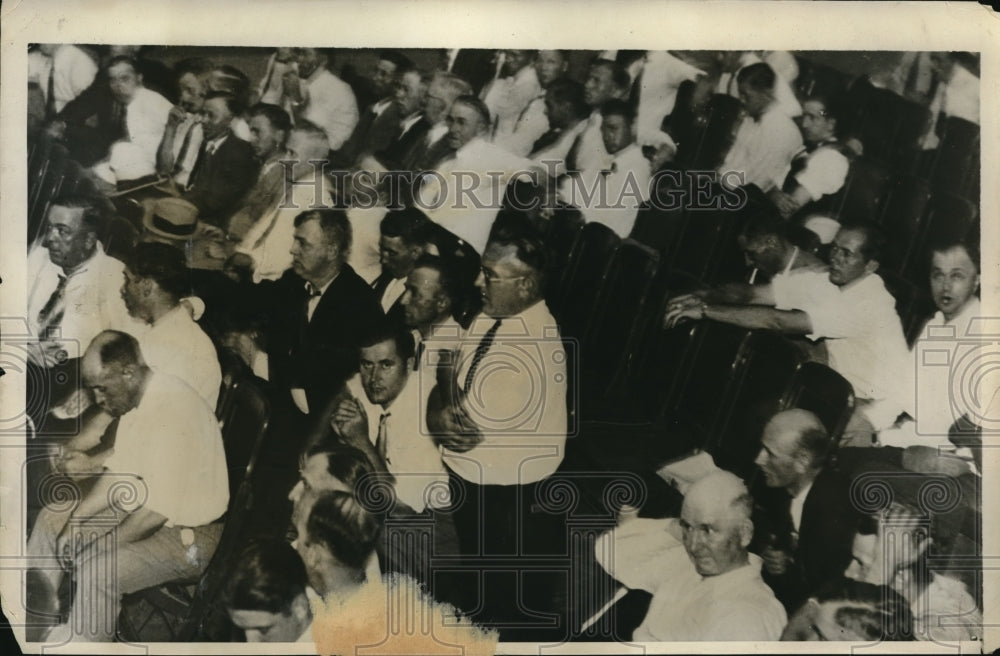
x: 498, y: 327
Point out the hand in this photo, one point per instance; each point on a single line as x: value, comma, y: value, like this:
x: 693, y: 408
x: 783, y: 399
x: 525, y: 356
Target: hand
x: 688, y: 306
x: 47, y: 354
x: 176, y: 116
x: 663, y: 154
x: 238, y: 267
x: 350, y: 419
x: 458, y: 432
x: 56, y: 130
x: 77, y: 463
x: 776, y: 561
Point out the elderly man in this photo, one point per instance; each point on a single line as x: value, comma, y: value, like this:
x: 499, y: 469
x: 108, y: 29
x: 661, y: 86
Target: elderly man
x: 704, y: 582
x: 413, y: 125
x: 767, y: 139
x: 804, y: 530
x: 168, y: 450
x: 465, y: 192
x: 330, y: 306
x: 427, y: 151
x: 379, y: 122
x: 502, y: 425
x: 156, y: 280
x: 266, y: 596
x: 851, y: 311
x: 320, y: 97
x: 613, y: 193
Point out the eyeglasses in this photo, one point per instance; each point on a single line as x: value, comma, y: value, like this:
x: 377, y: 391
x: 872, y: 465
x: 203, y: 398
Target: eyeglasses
x: 837, y: 251
x: 492, y: 278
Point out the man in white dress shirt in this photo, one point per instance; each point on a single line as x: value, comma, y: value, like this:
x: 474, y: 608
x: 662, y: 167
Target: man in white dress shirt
x: 706, y: 586
x: 156, y: 280
x: 606, y: 81
x: 611, y: 194
x: 319, y: 96
x: 442, y: 91
x: 502, y: 423
x: 465, y: 192
x: 509, y: 94
x: 168, y: 467
x: 768, y: 138
x: 62, y: 71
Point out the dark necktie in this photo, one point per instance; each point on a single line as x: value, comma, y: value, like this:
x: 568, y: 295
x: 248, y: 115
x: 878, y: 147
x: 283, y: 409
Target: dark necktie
x: 381, y: 284
x: 382, y: 437
x: 311, y: 293
x: 418, y: 356
x: 50, y: 98
x: 477, y: 357
x: 546, y: 140
x: 51, y: 314
x: 118, y: 124
x: 199, y: 162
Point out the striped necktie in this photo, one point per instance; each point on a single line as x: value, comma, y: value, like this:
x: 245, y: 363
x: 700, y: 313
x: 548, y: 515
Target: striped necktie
x: 480, y: 354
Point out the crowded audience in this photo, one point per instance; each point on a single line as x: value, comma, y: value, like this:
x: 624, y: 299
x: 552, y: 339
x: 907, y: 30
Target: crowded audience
x: 322, y: 339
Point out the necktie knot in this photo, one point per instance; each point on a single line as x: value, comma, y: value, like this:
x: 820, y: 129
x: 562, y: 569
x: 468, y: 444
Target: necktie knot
x: 313, y: 290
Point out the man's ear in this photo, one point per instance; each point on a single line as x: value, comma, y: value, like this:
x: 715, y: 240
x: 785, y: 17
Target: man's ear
x: 871, y: 266
x: 91, y: 240
x: 300, y: 608
x: 746, y: 532
x: 128, y: 370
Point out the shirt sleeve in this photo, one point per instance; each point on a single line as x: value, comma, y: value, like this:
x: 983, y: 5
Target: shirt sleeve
x: 824, y: 173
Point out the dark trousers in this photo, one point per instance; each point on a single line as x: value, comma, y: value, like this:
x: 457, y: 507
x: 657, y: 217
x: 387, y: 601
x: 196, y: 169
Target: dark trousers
x: 514, y: 564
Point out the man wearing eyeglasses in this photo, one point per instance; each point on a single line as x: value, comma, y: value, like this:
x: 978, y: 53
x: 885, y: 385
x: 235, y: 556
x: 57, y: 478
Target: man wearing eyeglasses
x: 499, y: 415
x: 851, y: 311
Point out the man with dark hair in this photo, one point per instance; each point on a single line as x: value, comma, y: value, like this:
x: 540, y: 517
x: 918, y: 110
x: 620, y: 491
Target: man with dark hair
x: 605, y: 81
x: 156, y: 279
x: 433, y: 296
x: 336, y: 537
x: 266, y: 596
x: 225, y: 167
x: 767, y: 138
x: 319, y: 311
x: 851, y: 611
x: 73, y: 286
x: 183, y: 135
x: 804, y: 531
x: 819, y: 170
x: 509, y: 95
x: 566, y: 113
x: 612, y: 193
x: 381, y: 411
x: 403, y: 239
x: 502, y: 427
x: 851, y: 311
x: 270, y: 128
x: 532, y: 122
x: 140, y: 120
x: 320, y: 97
x: 168, y: 450
x: 379, y: 122
x: 706, y: 585
x: 466, y: 191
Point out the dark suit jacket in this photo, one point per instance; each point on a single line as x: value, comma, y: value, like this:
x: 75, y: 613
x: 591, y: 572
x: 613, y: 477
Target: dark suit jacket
x: 422, y: 157
x: 394, y: 153
x: 321, y: 354
x: 371, y: 134
x: 826, y: 534
x: 395, y: 313
x: 220, y: 180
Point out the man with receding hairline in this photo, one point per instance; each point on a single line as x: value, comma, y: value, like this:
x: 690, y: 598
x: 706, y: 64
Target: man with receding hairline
x: 167, y: 448
x: 804, y: 533
x: 705, y: 584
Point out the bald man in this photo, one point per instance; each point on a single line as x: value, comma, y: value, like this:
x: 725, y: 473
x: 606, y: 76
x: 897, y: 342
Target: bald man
x: 705, y: 583
x: 805, y: 527
x: 163, y: 485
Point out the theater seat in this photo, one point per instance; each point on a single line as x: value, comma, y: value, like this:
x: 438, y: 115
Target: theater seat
x: 573, y: 305
x: 824, y: 392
